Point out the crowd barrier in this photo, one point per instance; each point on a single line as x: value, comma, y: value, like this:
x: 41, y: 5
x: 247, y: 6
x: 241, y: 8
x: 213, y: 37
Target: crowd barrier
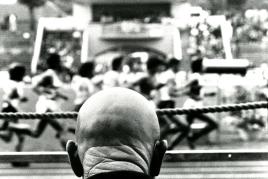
x: 169, y: 111
x: 179, y: 164
x: 171, y: 156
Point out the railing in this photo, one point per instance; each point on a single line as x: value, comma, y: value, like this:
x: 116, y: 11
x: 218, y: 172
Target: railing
x: 198, y: 164
x: 172, y: 156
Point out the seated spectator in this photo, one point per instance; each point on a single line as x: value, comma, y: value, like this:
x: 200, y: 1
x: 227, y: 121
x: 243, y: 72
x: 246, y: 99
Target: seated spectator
x: 117, y: 136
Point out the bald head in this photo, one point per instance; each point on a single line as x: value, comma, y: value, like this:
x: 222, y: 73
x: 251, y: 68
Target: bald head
x: 118, y: 117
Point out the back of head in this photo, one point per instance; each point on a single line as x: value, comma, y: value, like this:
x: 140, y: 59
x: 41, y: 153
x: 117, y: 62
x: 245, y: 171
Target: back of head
x: 174, y: 61
x: 174, y: 64
x: 116, y: 130
x: 117, y: 63
x: 87, y: 69
x: 16, y: 72
x: 145, y: 86
x: 54, y: 62
x: 154, y: 63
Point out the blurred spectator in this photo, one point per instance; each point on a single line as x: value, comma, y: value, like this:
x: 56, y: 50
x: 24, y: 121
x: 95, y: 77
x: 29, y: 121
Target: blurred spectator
x: 13, y: 96
x: 47, y: 85
x: 174, y: 81
x: 113, y: 77
x: 82, y: 84
x: 53, y: 69
x: 195, y: 100
x: 149, y: 85
x: 134, y: 73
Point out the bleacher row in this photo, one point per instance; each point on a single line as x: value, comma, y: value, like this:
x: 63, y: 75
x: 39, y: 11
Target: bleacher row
x: 177, y: 164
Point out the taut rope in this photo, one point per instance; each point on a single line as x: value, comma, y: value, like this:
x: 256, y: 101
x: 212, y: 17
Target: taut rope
x: 170, y: 111
x: 214, y: 109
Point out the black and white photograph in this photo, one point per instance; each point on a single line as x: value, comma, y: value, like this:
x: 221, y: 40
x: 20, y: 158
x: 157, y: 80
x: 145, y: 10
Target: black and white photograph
x: 134, y: 89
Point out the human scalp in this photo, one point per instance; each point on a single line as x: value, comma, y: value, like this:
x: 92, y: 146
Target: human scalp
x: 116, y: 114
x: 115, y: 117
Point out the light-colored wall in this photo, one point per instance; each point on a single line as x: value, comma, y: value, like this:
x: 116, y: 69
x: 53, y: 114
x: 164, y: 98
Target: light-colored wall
x: 82, y: 11
x: 22, y: 11
x: 97, y: 44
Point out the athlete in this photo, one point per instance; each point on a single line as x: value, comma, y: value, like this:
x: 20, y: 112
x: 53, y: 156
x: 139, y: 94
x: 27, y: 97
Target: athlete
x: 195, y: 100
x: 13, y: 97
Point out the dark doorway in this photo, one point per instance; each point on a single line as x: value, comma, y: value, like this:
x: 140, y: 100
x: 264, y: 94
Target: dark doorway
x: 130, y: 11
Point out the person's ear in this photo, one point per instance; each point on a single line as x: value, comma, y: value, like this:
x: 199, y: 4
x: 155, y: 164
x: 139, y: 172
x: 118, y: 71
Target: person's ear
x: 158, y: 155
x: 74, y: 159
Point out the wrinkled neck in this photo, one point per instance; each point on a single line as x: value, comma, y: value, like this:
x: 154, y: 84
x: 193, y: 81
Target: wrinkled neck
x: 113, y: 158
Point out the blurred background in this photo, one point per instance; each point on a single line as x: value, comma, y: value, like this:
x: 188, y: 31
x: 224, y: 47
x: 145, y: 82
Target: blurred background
x: 225, y: 42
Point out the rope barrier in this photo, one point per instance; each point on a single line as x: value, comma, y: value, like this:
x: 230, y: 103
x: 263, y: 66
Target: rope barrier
x: 33, y: 115
x: 170, y: 111
x: 214, y: 109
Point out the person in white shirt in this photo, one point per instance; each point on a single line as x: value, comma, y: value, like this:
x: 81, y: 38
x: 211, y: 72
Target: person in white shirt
x: 13, y: 97
x: 148, y: 85
x: 82, y: 84
x: 195, y: 100
x: 134, y: 72
x: 113, y: 77
x: 47, y: 85
x: 174, y: 82
x: 173, y: 87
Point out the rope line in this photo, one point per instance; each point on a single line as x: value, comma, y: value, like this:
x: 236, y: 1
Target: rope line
x: 214, y: 109
x: 169, y: 111
x: 33, y: 115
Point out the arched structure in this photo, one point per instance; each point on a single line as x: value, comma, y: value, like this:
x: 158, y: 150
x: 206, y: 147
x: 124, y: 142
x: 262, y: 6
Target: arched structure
x: 160, y: 39
x: 133, y: 48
